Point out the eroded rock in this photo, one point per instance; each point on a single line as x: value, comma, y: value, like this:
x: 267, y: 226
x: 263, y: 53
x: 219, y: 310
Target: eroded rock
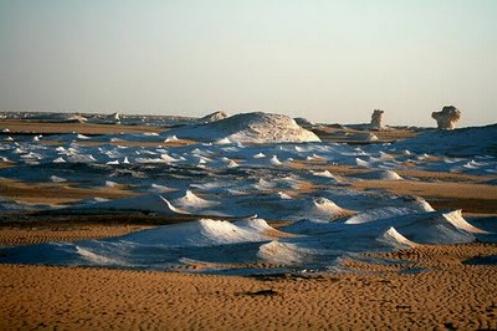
x: 447, y: 118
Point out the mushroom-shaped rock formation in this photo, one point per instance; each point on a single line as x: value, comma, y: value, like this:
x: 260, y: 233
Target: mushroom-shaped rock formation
x: 377, y: 119
x: 447, y: 118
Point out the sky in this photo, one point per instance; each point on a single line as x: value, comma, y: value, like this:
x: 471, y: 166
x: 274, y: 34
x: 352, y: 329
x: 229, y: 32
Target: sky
x: 327, y: 61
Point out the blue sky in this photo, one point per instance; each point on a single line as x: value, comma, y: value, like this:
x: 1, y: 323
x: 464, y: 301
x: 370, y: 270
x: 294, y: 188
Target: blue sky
x: 330, y: 61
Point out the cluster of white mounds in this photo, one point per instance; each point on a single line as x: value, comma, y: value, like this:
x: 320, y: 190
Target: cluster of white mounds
x: 205, y: 232
x: 249, y: 128
x: 459, y: 142
x: 418, y: 205
x: 436, y: 228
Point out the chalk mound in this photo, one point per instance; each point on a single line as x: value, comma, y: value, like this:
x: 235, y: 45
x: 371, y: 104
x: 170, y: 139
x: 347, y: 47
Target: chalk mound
x: 255, y: 127
x: 380, y: 175
x: 213, y: 117
x: 284, y: 253
x: 323, y: 209
x: 394, y: 239
x: 191, y: 201
x: 147, y: 203
x: 201, y: 233
x: 76, y: 119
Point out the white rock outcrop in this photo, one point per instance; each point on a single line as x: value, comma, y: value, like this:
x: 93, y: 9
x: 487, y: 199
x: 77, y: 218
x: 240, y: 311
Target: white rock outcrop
x: 255, y: 127
x: 447, y: 118
x: 377, y: 119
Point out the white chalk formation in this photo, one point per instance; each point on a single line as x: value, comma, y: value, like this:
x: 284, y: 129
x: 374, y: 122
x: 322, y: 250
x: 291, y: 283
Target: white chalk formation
x: 377, y: 119
x: 447, y: 117
x: 255, y: 127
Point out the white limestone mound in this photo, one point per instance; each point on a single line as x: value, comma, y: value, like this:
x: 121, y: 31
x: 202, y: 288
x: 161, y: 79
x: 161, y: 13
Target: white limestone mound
x: 275, y: 161
x: 322, y: 209
x: 56, y: 179
x: 191, y: 201
x: 255, y: 127
x: 201, y: 233
x: 171, y: 139
x: 82, y: 137
x: 377, y: 214
x: 283, y: 196
x: 147, y: 203
x: 434, y: 228
x: 380, y: 175
x: 76, y: 119
x: 284, y: 253
x: 447, y: 117
x: 259, y: 225
x: 160, y: 188
x: 59, y: 160
x: 394, y: 239
x: 362, y: 137
x: 456, y: 219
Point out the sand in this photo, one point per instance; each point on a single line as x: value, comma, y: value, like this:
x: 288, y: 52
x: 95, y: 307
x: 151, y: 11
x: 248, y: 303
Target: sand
x: 445, y: 294
x: 13, y: 236
x: 57, y: 193
x: 452, y: 296
x: 21, y: 126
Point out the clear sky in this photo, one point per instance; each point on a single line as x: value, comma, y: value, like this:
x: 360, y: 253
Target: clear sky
x: 326, y: 60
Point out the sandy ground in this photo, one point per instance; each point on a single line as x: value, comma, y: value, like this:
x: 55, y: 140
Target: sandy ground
x: 451, y: 296
x: 446, y: 294
x: 20, y: 126
x: 14, y: 236
x: 349, y: 135
x: 56, y: 193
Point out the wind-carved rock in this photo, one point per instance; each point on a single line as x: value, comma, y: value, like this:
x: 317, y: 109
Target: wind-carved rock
x: 447, y: 118
x: 377, y: 119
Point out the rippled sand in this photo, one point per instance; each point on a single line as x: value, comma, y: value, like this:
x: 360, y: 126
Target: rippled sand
x: 455, y: 296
